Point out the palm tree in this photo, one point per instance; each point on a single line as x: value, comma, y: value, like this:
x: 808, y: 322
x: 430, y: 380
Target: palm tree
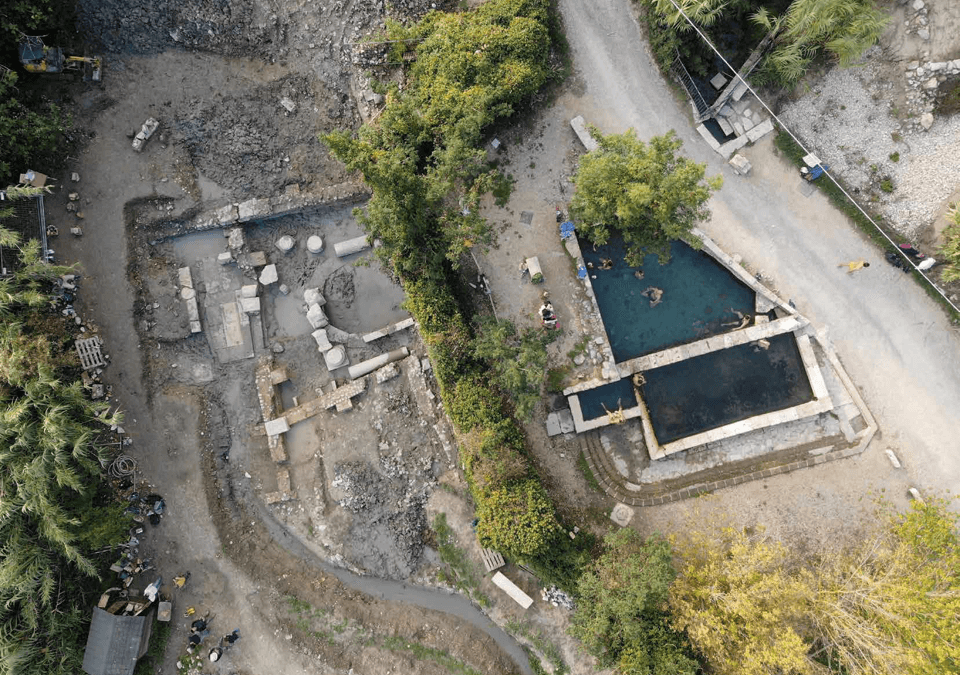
x: 843, y: 28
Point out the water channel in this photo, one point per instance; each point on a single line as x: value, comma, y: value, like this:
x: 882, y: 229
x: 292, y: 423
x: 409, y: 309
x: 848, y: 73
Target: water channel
x: 397, y: 591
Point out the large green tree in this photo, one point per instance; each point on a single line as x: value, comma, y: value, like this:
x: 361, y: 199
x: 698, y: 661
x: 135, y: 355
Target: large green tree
x: 424, y: 156
x: 646, y: 191
x: 620, y: 615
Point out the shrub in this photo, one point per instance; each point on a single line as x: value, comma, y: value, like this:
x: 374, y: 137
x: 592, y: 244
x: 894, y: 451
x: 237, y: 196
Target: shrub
x: 517, y: 519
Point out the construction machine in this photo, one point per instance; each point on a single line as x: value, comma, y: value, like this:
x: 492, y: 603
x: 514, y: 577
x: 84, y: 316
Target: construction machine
x: 36, y: 57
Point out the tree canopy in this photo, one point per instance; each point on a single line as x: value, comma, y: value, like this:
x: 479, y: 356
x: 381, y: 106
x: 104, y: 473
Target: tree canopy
x: 885, y: 605
x: 424, y: 157
x: 740, y: 603
x: 842, y: 28
x: 645, y: 191
x: 892, y: 604
x: 620, y: 615
x: 518, y: 360
x: 25, y: 132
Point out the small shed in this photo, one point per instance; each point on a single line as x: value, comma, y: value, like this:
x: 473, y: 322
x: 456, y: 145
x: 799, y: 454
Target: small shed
x: 115, y: 643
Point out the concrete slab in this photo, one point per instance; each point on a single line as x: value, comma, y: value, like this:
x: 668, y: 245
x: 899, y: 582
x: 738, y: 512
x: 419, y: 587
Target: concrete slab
x: 708, y: 137
x: 760, y: 131
x: 718, y: 81
x: 553, y: 424
x: 566, y: 421
x: 186, y: 279
x: 583, y: 133
x: 512, y: 590
x: 250, y: 305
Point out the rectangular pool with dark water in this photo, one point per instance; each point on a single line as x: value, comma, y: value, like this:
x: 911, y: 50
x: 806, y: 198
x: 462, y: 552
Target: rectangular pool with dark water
x: 722, y: 387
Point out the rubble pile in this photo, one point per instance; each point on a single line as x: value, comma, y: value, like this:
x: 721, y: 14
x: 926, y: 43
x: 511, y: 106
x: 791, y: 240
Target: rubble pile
x: 361, y: 485
x: 556, y: 597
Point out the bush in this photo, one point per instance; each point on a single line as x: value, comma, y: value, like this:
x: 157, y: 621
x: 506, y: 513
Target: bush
x: 517, y: 519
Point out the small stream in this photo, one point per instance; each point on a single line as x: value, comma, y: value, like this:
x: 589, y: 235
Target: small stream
x: 397, y: 591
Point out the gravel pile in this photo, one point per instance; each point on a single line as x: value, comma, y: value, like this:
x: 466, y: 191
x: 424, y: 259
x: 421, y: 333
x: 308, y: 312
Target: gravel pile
x: 849, y: 121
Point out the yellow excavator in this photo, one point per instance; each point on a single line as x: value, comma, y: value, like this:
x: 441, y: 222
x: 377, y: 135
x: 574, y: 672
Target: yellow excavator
x: 36, y: 57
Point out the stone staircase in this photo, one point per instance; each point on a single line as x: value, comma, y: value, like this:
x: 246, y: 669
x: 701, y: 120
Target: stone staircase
x: 702, y: 482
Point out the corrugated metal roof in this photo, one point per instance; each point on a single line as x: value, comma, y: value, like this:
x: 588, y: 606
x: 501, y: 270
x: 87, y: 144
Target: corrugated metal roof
x: 116, y: 642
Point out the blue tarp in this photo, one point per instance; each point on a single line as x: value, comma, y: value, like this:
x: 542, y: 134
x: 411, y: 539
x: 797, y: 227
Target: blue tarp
x: 567, y: 229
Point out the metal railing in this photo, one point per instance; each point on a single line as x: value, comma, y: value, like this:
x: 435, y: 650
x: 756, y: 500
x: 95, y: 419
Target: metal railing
x: 700, y: 108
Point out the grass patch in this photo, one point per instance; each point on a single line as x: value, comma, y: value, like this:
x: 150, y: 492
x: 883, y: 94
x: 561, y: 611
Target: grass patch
x: 538, y: 641
x: 894, y: 156
x: 502, y: 188
x: 459, y: 570
x: 556, y: 378
x: 587, y: 473
x: 886, y: 185
x: 153, y: 659
x: 579, y: 348
x: 424, y: 653
x: 795, y: 154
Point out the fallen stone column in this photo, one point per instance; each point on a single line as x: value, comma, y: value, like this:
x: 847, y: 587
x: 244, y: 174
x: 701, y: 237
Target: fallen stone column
x: 388, y: 330
x: 371, y: 365
x: 355, y: 245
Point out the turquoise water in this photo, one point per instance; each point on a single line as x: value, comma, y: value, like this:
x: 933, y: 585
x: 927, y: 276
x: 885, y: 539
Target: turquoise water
x: 723, y: 387
x: 699, y: 297
x: 612, y: 395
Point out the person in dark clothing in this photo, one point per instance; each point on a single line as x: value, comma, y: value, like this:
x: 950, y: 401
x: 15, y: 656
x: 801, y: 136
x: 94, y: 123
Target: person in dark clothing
x: 230, y: 638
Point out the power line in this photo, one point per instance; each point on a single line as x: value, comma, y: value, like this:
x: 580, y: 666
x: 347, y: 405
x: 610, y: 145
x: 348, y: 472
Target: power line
x: 807, y: 151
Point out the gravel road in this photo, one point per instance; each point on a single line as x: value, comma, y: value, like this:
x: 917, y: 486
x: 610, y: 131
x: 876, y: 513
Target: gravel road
x: 895, y: 342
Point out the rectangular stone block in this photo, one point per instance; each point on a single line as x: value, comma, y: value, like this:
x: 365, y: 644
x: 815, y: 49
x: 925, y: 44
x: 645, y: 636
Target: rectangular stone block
x: 583, y: 133
x: 186, y: 279
x: 323, y: 342
x: 253, y: 209
x: 283, y: 481
x: 708, y: 137
x: 760, y: 131
x: 250, y: 305
x: 276, y: 427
